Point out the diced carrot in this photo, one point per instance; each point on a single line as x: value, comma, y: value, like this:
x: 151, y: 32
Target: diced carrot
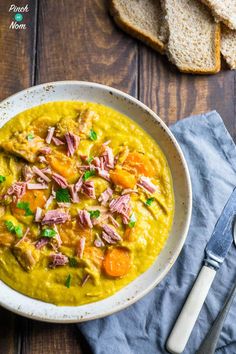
x: 129, y: 234
x: 117, y: 262
x: 62, y: 164
x: 140, y: 163
x: 123, y: 178
x: 35, y: 198
x: 95, y: 255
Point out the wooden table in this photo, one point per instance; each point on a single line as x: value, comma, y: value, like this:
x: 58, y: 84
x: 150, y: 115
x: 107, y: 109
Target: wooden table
x: 77, y: 40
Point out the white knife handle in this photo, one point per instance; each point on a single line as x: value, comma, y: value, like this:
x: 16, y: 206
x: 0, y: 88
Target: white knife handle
x: 188, y: 316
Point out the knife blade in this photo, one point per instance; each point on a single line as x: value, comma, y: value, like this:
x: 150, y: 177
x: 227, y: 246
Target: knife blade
x: 215, y: 253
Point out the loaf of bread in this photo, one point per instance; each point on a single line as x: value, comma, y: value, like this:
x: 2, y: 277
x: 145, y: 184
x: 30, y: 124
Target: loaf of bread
x: 142, y: 19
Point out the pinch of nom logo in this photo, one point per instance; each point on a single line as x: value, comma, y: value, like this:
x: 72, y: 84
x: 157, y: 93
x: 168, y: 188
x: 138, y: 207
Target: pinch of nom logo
x: 18, y: 16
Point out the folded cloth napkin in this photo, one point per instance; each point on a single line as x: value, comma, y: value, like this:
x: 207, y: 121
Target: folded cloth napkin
x: 144, y: 327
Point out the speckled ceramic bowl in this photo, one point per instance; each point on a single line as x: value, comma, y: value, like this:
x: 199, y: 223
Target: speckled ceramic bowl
x: 86, y: 91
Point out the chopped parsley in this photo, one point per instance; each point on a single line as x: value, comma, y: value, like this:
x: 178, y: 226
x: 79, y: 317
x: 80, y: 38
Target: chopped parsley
x: 63, y: 195
x: 2, y: 179
x: 94, y: 213
x: 26, y: 207
x: 132, y: 220
x: 90, y: 159
x: 73, y: 262
x: 149, y: 201
x: 48, y: 233
x: 30, y: 137
x: 88, y: 174
x: 93, y: 135
x: 14, y: 229
x: 68, y: 281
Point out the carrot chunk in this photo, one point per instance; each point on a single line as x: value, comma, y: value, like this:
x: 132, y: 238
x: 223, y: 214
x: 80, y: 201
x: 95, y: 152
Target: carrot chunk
x: 139, y: 163
x: 62, y: 164
x: 35, y: 198
x: 123, y: 178
x: 117, y: 262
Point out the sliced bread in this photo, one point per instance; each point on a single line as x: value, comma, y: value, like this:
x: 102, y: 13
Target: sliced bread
x: 194, y: 37
x: 228, y: 46
x: 142, y: 19
x: 223, y: 10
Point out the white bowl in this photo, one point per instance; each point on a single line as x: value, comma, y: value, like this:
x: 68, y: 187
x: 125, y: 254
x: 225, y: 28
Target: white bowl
x: 87, y: 91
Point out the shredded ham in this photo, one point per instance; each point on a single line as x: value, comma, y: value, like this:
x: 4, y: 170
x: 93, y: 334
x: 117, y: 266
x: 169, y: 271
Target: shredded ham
x: 81, y: 246
x: 58, y: 259
x: 85, y: 279
x: 42, y: 159
x: 146, y: 184
x: 128, y: 191
x: 98, y: 243
x: 33, y: 186
x: 56, y: 216
x: 39, y: 172
x: 88, y: 189
x: 110, y: 235
x: 27, y: 173
x: 49, y: 201
x: 113, y: 221
x: 78, y: 184
x: 24, y: 238
x: 60, y: 180
x: 105, y: 196
x: 38, y: 214
x: 74, y: 193
x: 104, y: 174
x: 41, y: 242
x: 72, y: 141
x: 107, y: 157
x: 17, y: 190
x: 121, y: 206
x: 57, y: 141
x: 85, y: 219
x: 45, y: 150
x: 49, y: 137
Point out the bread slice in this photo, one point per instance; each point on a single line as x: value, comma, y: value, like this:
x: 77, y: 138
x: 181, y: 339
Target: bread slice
x: 228, y: 46
x: 223, y: 10
x: 142, y: 19
x: 194, y: 37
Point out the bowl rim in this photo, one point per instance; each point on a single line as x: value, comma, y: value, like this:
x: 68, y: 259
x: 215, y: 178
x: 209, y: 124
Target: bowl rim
x: 184, y: 234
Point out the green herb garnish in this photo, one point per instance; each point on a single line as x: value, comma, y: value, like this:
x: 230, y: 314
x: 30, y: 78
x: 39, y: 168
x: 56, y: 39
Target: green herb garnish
x: 68, y: 281
x: 48, y: 233
x: 93, y: 135
x: 2, y: 179
x: 30, y: 137
x: 149, y: 201
x: 14, y: 229
x: 63, y: 195
x: 94, y: 213
x: 90, y: 159
x: 132, y: 220
x: 26, y: 207
x: 73, y: 262
x: 88, y: 174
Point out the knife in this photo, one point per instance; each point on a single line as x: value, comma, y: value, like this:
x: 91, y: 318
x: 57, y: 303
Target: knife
x: 215, y: 253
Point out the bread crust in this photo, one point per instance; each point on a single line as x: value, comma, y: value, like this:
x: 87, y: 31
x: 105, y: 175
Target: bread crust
x: 218, y: 17
x: 142, y: 35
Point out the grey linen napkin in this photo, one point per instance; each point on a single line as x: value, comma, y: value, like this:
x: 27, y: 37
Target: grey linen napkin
x: 144, y: 327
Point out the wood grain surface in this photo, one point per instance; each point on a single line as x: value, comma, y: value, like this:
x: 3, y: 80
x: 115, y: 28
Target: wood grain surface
x: 77, y: 40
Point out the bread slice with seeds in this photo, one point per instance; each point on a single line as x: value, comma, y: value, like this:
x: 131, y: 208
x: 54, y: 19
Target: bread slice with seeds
x: 194, y: 37
x: 142, y: 19
x: 228, y: 46
x: 223, y: 10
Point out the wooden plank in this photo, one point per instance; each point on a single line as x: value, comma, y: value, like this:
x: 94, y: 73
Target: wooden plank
x: 17, y: 49
x: 173, y: 95
x: 78, y: 41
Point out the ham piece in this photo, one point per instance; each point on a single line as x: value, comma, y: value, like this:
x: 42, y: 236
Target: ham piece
x: 56, y: 216
x: 41, y: 174
x: 58, y: 259
x: 72, y: 141
x: 60, y: 180
x: 17, y: 190
x: 80, y: 248
x: 146, y: 184
x: 41, y: 242
x: 121, y: 205
x: 85, y: 219
x: 105, y: 196
x: 110, y: 235
x: 88, y: 189
x: 49, y: 137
